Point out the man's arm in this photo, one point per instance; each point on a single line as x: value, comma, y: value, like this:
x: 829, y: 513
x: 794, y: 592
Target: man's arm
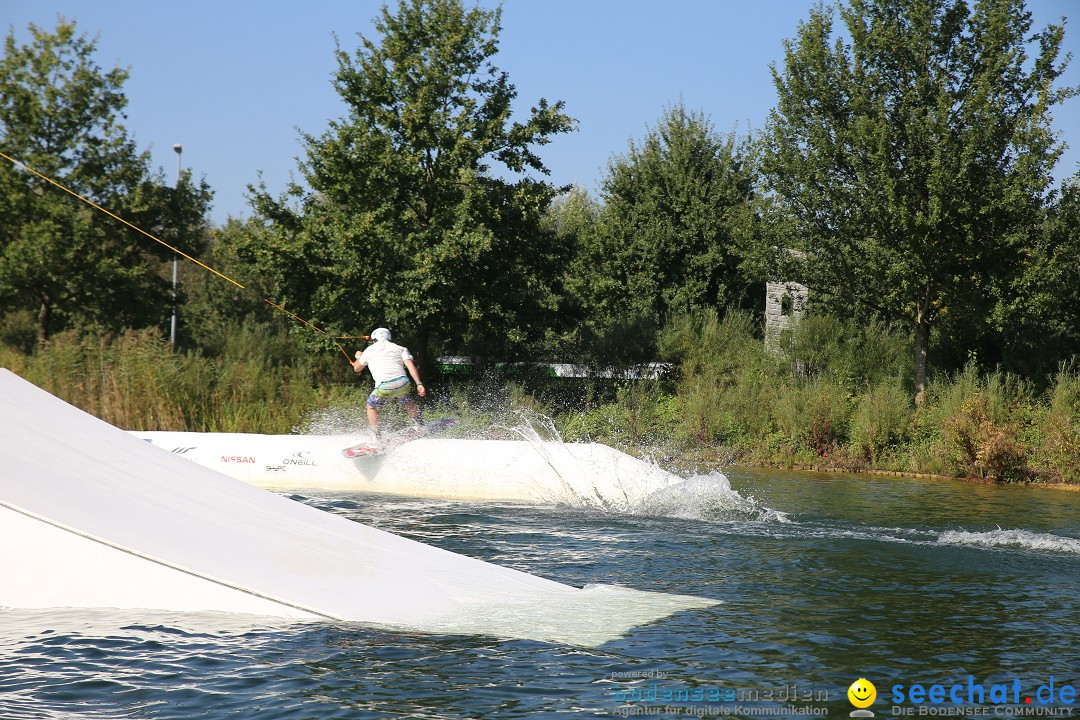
x: 359, y: 364
x: 420, y: 389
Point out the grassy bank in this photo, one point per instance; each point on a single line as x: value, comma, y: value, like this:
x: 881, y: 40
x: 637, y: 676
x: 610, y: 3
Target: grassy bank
x: 837, y: 397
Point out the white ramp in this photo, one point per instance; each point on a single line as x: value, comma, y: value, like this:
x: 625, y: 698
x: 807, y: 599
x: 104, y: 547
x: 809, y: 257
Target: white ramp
x: 577, y: 474
x: 91, y: 516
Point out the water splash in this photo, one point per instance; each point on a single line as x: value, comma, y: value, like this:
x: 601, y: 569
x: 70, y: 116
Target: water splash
x: 529, y: 425
x: 700, y: 497
x: 1010, y: 539
x: 334, y: 421
x: 709, y: 497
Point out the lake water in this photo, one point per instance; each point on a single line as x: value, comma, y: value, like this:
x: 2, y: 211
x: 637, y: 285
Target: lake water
x: 821, y: 580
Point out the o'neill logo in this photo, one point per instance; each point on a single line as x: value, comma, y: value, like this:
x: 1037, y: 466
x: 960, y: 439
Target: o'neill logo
x: 300, y: 457
x: 183, y: 450
x: 238, y: 459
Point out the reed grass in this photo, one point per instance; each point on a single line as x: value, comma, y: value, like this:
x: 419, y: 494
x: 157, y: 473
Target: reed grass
x: 1057, y: 426
x: 134, y: 381
x: 842, y: 397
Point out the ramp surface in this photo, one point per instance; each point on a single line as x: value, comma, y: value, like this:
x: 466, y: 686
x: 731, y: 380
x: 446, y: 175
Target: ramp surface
x: 91, y: 516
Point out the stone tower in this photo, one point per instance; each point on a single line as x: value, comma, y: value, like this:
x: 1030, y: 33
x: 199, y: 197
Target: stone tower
x: 785, y: 303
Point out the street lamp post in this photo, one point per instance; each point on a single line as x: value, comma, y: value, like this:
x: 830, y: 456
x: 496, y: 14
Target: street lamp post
x: 175, y: 262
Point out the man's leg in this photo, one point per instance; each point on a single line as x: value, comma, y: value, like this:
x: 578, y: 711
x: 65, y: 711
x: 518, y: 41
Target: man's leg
x: 414, y: 413
x: 373, y: 414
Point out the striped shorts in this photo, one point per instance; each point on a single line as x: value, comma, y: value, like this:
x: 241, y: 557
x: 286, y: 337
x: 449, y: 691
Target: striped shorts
x: 384, y: 392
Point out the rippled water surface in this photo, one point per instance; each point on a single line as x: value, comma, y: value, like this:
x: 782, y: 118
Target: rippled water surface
x: 822, y: 580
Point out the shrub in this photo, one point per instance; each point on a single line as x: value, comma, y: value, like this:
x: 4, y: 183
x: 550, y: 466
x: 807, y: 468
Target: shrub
x: 981, y: 420
x: 818, y: 345
x: 1058, y: 427
x: 881, y: 419
x: 643, y: 415
x: 704, y: 344
x: 858, y: 356
x: 724, y: 373
x: 812, y: 415
x: 18, y: 329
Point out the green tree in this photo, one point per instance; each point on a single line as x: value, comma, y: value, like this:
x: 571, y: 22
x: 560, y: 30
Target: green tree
x: 676, y: 222
x: 73, y: 265
x: 914, y: 152
x: 404, y: 220
x: 1039, y: 317
x: 573, y: 217
x: 214, y: 309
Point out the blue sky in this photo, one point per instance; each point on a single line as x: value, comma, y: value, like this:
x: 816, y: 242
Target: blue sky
x: 234, y: 80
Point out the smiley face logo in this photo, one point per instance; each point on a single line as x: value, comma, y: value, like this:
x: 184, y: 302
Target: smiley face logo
x: 862, y: 693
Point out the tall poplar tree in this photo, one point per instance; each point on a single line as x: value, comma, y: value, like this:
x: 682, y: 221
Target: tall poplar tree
x: 408, y: 218
x: 911, y: 152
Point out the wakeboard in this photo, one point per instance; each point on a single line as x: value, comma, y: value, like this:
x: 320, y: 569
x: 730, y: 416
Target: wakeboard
x: 368, y: 448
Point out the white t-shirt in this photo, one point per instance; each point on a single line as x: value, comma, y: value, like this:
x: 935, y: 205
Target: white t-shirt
x: 385, y: 360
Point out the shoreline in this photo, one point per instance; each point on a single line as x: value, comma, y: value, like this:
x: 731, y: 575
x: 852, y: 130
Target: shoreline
x: 699, y: 460
x: 1071, y: 487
